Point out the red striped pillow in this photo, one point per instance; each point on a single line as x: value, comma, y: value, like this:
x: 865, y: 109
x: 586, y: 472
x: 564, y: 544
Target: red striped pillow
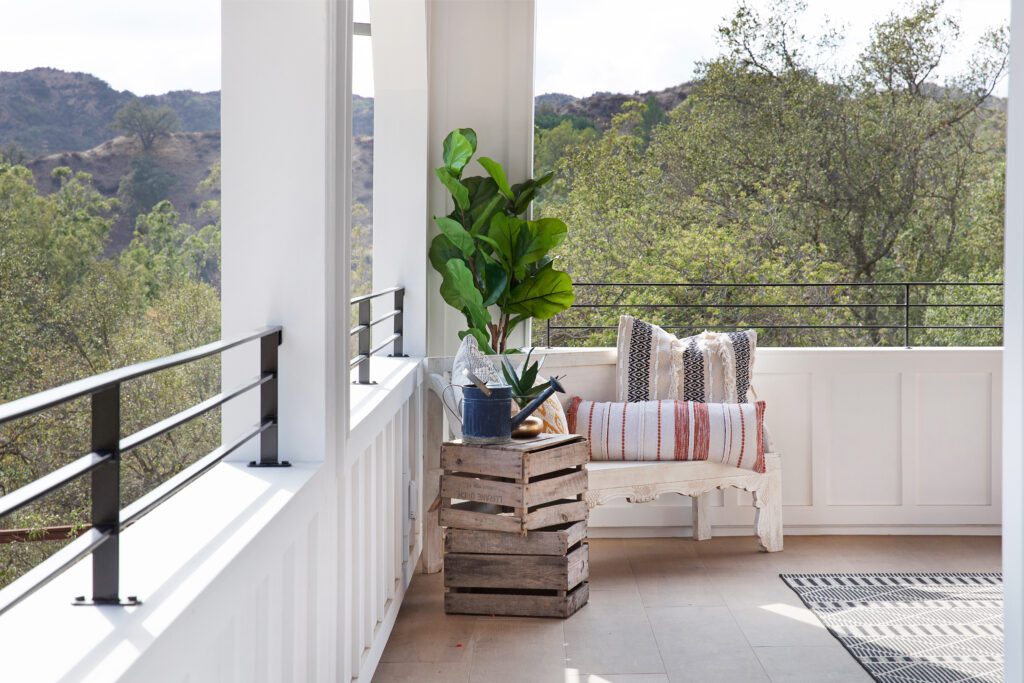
x: 727, y: 433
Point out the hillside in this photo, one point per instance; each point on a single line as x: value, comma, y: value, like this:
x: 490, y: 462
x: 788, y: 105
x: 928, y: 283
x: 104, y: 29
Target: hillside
x: 58, y: 118
x: 600, y: 107
x: 44, y: 111
x: 186, y: 156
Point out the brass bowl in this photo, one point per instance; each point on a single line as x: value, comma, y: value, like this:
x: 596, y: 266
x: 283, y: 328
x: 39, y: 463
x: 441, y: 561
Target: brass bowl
x: 529, y: 429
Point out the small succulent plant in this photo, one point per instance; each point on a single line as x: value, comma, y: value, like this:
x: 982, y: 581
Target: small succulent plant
x: 522, y: 379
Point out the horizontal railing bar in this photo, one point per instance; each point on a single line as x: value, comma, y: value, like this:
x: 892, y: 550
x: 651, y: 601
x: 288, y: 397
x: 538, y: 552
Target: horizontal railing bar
x: 19, y: 498
x: 360, y: 328
x: 378, y: 347
x: 785, y: 284
x: 357, y: 360
x: 132, y: 513
x: 50, y: 568
x: 163, y: 426
x: 790, y: 327
x: 374, y: 295
x: 724, y: 305
x: 36, y: 403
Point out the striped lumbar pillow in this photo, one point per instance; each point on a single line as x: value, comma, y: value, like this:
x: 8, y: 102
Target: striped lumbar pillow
x: 711, y: 367
x: 727, y: 433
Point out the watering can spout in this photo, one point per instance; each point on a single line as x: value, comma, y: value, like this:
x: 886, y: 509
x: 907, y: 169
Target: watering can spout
x: 553, y: 386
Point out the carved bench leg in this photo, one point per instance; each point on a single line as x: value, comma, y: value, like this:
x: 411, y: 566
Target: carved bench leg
x: 768, y: 501
x: 701, y: 518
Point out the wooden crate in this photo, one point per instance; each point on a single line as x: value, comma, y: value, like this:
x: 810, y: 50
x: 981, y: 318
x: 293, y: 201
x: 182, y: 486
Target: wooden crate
x: 516, y: 538
x: 518, y: 486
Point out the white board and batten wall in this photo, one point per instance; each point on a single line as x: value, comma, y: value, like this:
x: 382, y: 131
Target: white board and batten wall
x: 893, y: 441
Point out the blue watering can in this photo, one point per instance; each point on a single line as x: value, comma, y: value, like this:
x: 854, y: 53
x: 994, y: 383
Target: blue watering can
x: 487, y: 411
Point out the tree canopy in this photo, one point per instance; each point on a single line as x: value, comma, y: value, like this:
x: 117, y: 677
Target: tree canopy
x: 782, y: 166
x: 146, y: 122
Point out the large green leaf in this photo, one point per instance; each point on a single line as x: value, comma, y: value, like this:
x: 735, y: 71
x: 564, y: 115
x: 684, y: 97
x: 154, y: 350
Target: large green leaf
x: 458, y: 190
x: 495, y: 282
x: 547, y: 233
x: 542, y: 295
x: 526, y: 191
x: 458, y: 150
x: 495, y: 170
x: 484, y: 216
x: 441, y: 251
x: 472, y: 300
x: 470, y: 135
x: 457, y: 234
x: 505, y: 234
x: 481, y: 190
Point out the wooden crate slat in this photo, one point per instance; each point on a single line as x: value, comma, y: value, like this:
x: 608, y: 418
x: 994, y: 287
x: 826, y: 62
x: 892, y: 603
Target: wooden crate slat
x: 552, y: 459
x: 482, y: 460
x: 576, y: 533
x: 542, y: 542
x: 538, y: 444
x: 504, y: 604
x: 547, y: 490
x: 525, y: 572
x: 478, y: 516
x: 579, y: 565
x: 482, y: 490
x: 551, y: 515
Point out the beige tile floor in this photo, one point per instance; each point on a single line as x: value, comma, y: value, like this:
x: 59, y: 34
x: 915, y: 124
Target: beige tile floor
x: 668, y: 610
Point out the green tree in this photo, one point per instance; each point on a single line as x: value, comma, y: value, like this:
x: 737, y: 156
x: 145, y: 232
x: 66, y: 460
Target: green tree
x: 70, y: 311
x: 780, y: 166
x: 146, y: 183
x: 146, y: 122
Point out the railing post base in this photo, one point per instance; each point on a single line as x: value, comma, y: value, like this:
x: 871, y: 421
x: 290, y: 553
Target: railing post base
x: 130, y: 601
x: 282, y: 463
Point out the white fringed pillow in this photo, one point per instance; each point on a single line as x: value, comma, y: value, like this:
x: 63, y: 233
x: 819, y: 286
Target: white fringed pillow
x: 727, y: 433
x: 711, y: 367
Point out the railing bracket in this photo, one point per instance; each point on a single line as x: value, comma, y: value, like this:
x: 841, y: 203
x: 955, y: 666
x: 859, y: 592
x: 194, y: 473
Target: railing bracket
x: 130, y: 601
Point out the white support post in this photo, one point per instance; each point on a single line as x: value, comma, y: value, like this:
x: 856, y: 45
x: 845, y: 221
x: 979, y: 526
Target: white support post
x: 1013, y: 364
x: 400, y: 109
x: 481, y: 77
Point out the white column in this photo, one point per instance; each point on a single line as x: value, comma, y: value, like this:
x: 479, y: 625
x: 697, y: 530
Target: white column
x: 481, y: 77
x: 400, y: 143
x: 1013, y: 364
x: 281, y: 187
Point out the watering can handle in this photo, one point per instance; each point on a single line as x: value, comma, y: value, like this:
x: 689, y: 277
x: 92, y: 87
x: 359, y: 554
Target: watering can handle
x: 449, y: 407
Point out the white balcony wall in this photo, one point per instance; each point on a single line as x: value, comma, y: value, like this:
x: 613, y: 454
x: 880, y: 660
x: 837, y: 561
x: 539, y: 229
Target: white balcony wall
x: 481, y: 77
x: 895, y: 441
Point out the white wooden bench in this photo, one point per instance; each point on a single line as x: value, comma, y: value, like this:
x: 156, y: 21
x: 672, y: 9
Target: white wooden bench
x: 637, y: 482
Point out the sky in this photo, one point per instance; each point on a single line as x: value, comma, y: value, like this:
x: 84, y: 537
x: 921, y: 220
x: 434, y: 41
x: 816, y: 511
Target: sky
x: 583, y: 46
x: 587, y: 46
x: 145, y: 46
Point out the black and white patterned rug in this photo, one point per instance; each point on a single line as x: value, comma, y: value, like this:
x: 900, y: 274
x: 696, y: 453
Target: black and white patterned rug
x: 913, y: 628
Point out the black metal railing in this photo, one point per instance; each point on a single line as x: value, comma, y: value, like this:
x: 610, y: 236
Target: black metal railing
x: 108, y: 519
x: 363, y: 330
x: 909, y: 304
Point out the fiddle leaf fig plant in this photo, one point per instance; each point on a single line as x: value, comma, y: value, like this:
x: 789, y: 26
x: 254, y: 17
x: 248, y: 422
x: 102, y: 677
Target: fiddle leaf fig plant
x: 495, y: 265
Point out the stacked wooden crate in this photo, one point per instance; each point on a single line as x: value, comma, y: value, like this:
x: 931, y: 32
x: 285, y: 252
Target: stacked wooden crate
x: 516, y: 539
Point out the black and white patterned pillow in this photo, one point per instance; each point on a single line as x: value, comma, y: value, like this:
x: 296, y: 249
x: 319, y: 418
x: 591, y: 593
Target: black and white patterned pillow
x: 711, y: 367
